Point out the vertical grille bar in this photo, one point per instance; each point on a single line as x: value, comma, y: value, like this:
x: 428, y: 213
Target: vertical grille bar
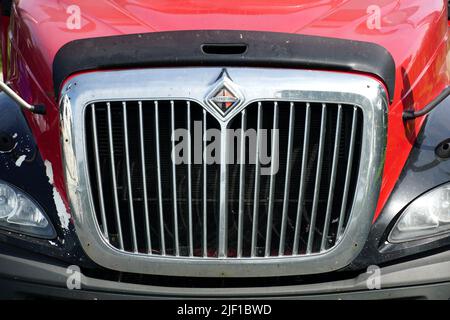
x: 144, y: 180
x: 257, y: 180
x: 332, y: 179
x: 223, y: 214
x: 174, y: 180
x: 114, y: 179
x: 205, y: 189
x: 129, y: 186
x: 287, y: 180
x: 189, y: 154
x: 301, y: 192
x: 158, y: 172
x: 312, y: 226
x: 98, y: 175
x: 348, y: 173
x: 272, y: 181
x: 241, y: 184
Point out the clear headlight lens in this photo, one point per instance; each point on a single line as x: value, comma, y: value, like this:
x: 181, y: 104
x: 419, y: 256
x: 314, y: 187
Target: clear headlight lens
x: 427, y: 216
x: 8, y: 201
x: 19, y: 213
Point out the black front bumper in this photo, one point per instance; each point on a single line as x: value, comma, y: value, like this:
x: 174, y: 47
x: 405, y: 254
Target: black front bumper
x: 424, y: 278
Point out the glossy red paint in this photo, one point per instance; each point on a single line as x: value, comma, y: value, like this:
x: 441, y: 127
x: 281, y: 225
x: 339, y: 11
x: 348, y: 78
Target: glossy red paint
x: 414, y: 31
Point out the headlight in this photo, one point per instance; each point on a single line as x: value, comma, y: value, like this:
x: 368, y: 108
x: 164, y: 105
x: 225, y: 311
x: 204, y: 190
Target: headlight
x: 427, y: 216
x: 19, y: 213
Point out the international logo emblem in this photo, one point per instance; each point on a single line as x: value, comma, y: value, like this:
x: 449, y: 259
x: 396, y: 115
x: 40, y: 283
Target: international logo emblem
x: 224, y: 97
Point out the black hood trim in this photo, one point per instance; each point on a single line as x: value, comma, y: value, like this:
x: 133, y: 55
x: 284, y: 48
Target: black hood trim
x: 224, y: 48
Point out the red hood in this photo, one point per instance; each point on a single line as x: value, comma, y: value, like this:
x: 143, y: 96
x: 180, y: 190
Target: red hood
x: 414, y: 31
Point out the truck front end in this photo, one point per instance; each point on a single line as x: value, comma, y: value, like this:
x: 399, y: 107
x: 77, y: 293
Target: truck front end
x: 252, y: 149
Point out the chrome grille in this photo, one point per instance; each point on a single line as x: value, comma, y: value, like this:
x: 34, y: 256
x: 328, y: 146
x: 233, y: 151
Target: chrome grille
x: 147, y: 204
x: 224, y: 222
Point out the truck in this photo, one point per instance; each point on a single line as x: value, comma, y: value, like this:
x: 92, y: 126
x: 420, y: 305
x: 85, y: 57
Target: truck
x: 226, y: 149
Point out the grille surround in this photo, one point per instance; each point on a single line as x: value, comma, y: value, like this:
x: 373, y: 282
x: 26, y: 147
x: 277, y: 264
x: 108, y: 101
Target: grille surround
x: 291, y: 85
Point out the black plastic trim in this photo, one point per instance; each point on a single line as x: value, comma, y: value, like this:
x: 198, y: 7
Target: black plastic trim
x: 184, y: 48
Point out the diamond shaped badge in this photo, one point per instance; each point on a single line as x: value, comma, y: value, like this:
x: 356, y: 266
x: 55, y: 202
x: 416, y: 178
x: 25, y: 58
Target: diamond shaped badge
x: 224, y: 97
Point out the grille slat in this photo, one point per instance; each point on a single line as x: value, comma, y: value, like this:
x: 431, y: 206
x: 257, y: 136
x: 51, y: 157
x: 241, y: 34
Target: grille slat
x: 98, y: 174
x: 287, y: 180
x: 174, y: 183
x: 274, y: 146
x: 348, y: 172
x: 144, y: 179
x: 301, y: 192
x: 333, y: 179
x: 232, y: 209
x: 114, y: 179
x: 205, y: 187
x: 128, y: 173
x: 189, y: 164
x: 241, y: 185
x: 257, y: 182
x: 312, y: 225
x: 223, y: 202
x: 158, y: 172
